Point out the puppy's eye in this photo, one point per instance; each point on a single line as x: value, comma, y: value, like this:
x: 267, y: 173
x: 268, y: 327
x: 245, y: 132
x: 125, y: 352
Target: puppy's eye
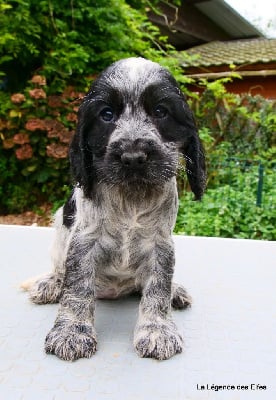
x: 107, y: 114
x: 160, y: 111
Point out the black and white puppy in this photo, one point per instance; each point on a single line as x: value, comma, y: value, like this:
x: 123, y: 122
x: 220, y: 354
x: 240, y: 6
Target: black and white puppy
x: 114, y: 234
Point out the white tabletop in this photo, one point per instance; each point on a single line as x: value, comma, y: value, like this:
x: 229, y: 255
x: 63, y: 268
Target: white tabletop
x: 230, y: 331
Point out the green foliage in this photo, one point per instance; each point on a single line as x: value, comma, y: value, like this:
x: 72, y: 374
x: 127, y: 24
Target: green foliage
x: 68, y: 39
x: 230, y: 219
x: 229, y: 209
x: 247, y: 123
x: 238, y: 133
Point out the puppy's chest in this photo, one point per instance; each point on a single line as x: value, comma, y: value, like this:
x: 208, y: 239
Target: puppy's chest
x: 127, y: 230
x: 125, y: 244
x: 122, y: 253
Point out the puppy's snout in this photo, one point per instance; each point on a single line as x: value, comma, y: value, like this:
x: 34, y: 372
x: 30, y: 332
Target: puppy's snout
x: 133, y: 154
x: 133, y: 159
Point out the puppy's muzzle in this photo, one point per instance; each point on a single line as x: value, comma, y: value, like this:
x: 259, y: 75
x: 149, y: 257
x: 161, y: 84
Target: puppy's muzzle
x: 133, y: 154
x: 135, y: 159
x: 140, y: 160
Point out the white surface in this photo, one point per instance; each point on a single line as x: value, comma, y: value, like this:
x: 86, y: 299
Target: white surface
x: 230, y: 332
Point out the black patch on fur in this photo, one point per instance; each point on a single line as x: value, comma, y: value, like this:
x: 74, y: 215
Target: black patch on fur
x: 69, y: 211
x: 195, y: 166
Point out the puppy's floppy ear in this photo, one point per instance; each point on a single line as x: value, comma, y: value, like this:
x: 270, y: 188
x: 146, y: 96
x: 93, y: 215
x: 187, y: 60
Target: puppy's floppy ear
x: 81, y: 157
x: 195, y: 166
x: 194, y: 156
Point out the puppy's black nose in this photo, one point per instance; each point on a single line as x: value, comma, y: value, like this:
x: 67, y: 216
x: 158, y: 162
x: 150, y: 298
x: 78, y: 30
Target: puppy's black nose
x: 133, y: 159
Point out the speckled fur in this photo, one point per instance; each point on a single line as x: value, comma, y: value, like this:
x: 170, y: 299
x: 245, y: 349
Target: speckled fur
x: 113, y: 236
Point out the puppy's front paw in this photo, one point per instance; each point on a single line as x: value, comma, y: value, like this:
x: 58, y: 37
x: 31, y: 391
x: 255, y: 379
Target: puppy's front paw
x: 71, y: 341
x: 157, y: 340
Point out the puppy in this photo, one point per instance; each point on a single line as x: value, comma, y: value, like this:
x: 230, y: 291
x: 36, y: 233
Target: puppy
x: 114, y: 234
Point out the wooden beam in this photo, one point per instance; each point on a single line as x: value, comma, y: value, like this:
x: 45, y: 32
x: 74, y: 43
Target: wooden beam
x: 217, y: 75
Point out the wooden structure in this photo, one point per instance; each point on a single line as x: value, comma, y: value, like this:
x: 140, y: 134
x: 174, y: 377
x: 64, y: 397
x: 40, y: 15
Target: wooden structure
x: 220, y: 41
x: 254, y: 60
x: 196, y: 22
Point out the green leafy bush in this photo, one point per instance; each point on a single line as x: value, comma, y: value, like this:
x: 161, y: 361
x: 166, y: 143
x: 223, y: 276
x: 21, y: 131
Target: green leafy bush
x: 234, y: 188
x: 231, y: 210
x: 65, y: 39
x: 245, y: 123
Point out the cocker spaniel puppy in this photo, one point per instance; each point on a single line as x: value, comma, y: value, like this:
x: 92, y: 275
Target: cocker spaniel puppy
x: 114, y: 234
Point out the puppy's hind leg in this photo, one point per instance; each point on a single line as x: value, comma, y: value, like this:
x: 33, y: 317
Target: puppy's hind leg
x: 48, y: 288
x: 45, y: 289
x: 180, y: 299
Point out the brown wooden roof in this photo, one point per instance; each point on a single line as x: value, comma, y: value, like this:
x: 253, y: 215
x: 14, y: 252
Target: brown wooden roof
x: 237, y: 52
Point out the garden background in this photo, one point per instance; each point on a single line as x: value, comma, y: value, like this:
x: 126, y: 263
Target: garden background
x: 49, y: 54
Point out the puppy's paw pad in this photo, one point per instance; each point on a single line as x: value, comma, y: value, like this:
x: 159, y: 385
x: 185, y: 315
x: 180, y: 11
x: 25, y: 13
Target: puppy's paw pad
x: 71, y: 342
x: 180, y: 298
x: 46, y: 290
x: 159, y: 341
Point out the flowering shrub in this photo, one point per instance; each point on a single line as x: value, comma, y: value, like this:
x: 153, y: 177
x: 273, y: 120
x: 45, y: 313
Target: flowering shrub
x: 35, y: 139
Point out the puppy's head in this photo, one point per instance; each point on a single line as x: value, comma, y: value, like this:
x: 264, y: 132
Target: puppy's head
x: 133, y: 125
